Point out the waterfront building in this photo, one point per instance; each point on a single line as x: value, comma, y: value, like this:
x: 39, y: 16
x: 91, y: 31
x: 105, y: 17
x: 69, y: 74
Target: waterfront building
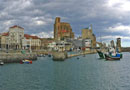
x: 16, y: 34
x: 87, y: 44
x: 59, y: 46
x: 45, y: 42
x: 87, y: 33
x: 77, y: 44
x: 3, y: 40
x: 62, y: 30
x: 52, y: 46
x: 32, y: 42
x: 15, y: 39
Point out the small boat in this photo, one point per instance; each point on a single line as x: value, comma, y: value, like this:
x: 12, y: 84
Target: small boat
x: 49, y: 55
x: 26, y: 61
x: 1, y: 62
x: 77, y: 57
x: 111, y: 58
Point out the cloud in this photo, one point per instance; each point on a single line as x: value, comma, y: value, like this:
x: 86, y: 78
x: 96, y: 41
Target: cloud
x: 115, y: 37
x: 38, y: 16
x: 40, y: 22
x: 119, y: 28
x: 121, y: 5
x: 44, y: 34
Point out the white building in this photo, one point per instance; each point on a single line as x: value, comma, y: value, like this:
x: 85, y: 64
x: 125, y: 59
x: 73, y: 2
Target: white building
x: 14, y: 39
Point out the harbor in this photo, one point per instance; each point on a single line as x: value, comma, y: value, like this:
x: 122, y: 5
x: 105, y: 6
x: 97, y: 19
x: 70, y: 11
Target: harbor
x: 64, y: 45
x: 85, y: 73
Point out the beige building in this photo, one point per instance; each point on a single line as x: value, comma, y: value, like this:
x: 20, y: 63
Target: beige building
x: 32, y: 42
x: 87, y: 33
x: 16, y: 34
x: 45, y: 42
x: 62, y: 30
x: 3, y: 40
x: 16, y: 39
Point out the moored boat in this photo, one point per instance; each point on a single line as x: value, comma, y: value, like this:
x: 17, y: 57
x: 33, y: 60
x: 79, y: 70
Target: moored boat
x: 1, y: 62
x: 26, y: 61
x: 108, y: 57
x: 101, y: 54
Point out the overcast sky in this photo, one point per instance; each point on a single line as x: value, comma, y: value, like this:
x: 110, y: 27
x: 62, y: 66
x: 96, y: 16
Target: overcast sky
x: 110, y: 18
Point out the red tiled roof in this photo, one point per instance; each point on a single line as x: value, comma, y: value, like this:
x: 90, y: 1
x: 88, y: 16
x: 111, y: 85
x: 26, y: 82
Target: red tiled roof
x: 5, y: 34
x: 16, y: 26
x: 27, y: 36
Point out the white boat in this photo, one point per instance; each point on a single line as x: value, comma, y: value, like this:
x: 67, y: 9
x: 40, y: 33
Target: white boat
x: 1, y: 62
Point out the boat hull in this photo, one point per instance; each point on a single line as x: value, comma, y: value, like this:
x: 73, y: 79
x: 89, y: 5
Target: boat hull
x: 107, y: 57
x: 26, y: 61
x: 101, y: 55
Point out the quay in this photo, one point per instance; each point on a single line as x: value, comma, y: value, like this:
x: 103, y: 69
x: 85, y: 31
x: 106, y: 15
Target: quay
x: 61, y: 56
x: 81, y: 53
x: 12, y: 57
x: 17, y: 57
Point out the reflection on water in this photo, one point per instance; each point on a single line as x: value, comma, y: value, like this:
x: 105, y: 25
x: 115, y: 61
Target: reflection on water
x: 85, y: 73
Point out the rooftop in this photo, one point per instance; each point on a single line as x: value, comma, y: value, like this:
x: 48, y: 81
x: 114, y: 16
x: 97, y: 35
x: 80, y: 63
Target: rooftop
x: 5, y: 34
x: 27, y: 36
x: 16, y: 26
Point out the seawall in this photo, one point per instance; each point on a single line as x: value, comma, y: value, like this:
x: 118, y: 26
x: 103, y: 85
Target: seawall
x: 16, y: 57
x: 59, y: 56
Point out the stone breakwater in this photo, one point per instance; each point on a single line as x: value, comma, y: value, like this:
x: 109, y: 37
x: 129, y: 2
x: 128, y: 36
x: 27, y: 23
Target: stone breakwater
x: 59, y: 56
x: 16, y: 57
x: 82, y: 53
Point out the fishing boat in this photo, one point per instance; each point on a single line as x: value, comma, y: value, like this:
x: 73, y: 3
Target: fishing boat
x: 26, y: 61
x: 108, y: 57
x: 1, y: 62
x: 101, y: 54
x: 114, y: 53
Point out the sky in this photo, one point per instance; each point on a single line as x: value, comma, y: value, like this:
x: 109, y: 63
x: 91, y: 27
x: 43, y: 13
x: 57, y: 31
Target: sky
x: 110, y: 18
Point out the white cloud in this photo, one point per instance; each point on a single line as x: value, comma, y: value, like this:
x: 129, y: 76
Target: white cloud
x: 20, y: 4
x: 45, y: 34
x: 9, y: 22
x: 121, y: 5
x: 114, y: 37
x: 39, y: 22
x: 119, y: 28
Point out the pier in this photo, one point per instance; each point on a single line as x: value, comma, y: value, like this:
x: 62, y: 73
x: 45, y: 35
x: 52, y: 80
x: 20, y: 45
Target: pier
x: 81, y: 53
x: 61, y: 56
